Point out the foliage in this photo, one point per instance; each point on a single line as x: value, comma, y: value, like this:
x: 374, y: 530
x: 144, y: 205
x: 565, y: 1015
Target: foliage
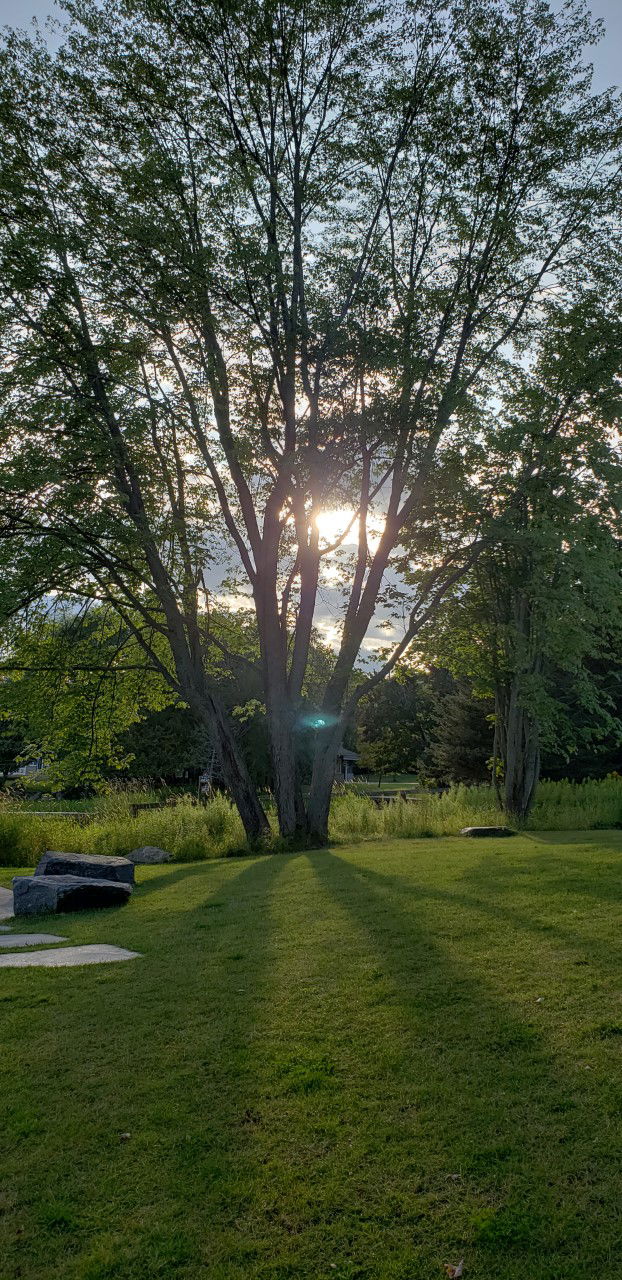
x: 167, y: 743
x: 392, y: 725
x: 259, y: 264
x: 462, y: 737
x: 12, y: 741
x: 539, y: 609
x: 93, y: 706
x: 76, y: 680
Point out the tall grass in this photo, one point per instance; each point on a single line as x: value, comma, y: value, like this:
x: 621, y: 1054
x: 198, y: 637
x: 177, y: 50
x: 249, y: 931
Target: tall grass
x: 189, y: 832
x: 192, y: 832
x: 580, y: 806
x: 429, y: 815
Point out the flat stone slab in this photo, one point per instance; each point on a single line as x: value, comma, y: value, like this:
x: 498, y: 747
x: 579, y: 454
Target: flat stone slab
x: 6, y: 905
x: 482, y: 833
x: 29, y: 939
x: 148, y: 854
x: 35, y: 894
x: 89, y: 866
x: 67, y: 957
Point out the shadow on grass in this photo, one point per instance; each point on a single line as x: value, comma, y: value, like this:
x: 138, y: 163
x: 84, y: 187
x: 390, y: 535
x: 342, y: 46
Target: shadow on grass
x: 175, y: 873
x: 161, y: 1055
x: 493, y: 1104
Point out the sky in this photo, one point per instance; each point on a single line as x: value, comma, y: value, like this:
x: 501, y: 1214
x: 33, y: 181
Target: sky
x: 607, y: 57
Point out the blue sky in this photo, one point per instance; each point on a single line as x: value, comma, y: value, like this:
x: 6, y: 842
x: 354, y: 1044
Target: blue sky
x: 607, y: 57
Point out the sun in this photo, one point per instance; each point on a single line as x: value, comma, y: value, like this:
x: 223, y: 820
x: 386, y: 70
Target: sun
x: 333, y: 522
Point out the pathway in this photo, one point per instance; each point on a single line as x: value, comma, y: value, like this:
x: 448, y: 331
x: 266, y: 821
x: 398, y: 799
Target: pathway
x: 90, y: 953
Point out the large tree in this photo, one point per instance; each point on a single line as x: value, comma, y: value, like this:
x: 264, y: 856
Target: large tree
x: 264, y: 261
x: 540, y: 614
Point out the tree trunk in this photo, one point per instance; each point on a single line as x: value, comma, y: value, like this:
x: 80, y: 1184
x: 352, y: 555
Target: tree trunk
x: 323, y: 777
x: 207, y: 708
x: 236, y: 777
x: 287, y: 794
x: 521, y: 756
x: 495, y: 752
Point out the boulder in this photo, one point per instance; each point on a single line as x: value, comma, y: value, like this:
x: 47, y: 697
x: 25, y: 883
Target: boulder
x: 88, y: 866
x: 482, y: 832
x: 34, y: 894
x: 149, y: 853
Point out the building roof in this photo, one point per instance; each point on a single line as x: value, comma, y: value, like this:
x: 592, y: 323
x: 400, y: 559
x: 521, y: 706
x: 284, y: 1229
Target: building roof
x: 347, y: 755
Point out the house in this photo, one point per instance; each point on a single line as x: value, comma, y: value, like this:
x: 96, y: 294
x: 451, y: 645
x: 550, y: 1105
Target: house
x: 344, y: 768
x: 28, y: 770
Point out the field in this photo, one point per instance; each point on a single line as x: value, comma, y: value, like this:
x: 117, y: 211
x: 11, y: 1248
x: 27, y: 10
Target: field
x: 191, y: 832
x: 361, y: 1063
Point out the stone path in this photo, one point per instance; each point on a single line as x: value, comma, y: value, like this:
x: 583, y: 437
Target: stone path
x: 94, y: 953
x: 59, y: 957
x: 28, y: 939
x: 6, y: 904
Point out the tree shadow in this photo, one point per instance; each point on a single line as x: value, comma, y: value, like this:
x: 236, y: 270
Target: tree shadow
x: 185, y: 871
x: 494, y: 883
x: 493, y: 1103
x: 154, y: 1074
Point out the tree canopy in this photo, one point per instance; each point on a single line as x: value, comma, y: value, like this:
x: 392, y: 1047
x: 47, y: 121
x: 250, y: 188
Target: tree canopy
x: 265, y: 261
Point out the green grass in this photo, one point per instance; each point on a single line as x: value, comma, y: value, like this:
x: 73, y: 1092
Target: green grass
x: 359, y: 1063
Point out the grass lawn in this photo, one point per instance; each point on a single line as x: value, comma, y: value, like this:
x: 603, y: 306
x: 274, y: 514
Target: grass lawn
x: 360, y: 1063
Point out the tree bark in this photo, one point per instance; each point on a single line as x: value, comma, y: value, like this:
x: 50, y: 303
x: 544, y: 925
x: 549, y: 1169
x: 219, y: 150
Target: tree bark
x: 322, y: 779
x: 521, y: 755
x: 237, y: 778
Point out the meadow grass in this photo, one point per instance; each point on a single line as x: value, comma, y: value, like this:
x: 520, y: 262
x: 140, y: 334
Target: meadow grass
x: 361, y: 1063
x: 192, y: 832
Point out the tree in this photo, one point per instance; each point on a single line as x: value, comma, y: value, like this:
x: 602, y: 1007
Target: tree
x: 263, y: 262
x: 392, y: 725
x: 541, y: 608
x: 462, y: 737
x: 12, y: 744
x: 89, y: 701
x: 75, y: 682
x: 166, y: 744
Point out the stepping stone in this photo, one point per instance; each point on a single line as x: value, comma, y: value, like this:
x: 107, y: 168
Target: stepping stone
x: 33, y: 894
x: 482, y: 832
x: 29, y: 939
x: 6, y: 906
x: 90, y: 866
x: 149, y: 854
x: 67, y: 957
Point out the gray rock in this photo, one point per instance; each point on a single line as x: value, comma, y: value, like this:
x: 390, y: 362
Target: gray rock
x: 33, y: 894
x: 61, y: 957
x: 86, y: 865
x: 482, y: 832
x: 149, y: 853
x: 29, y: 939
